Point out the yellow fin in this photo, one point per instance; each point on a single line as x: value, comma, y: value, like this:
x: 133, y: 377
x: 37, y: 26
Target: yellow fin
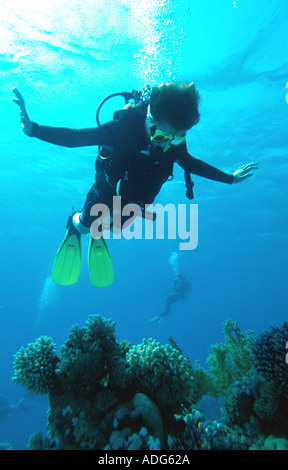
x: 67, y: 264
x: 100, y: 263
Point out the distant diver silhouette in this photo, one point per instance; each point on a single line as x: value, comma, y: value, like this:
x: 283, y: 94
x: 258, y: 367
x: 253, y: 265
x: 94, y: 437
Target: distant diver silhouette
x: 181, y: 287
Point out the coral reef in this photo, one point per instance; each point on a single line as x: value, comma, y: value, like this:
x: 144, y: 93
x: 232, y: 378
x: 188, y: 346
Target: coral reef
x: 37, y: 442
x: 34, y: 366
x: 5, y: 446
x: 270, y: 443
x: 143, y: 410
x: 269, y: 356
x: 162, y: 372
x: 88, y: 349
x: 231, y: 361
x: 119, y: 396
x: 239, y: 404
x: 240, y: 348
x: 198, y: 434
x: 263, y: 394
x: 266, y: 403
x: 101, y: 393
x: 228, y: 363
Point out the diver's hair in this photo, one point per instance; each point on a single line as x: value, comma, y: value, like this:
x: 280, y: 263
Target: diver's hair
x: 175, y: 103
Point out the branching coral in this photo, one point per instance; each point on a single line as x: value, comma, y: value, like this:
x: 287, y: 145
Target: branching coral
x: 34, y: 366
x: 82, y: 363
x: 87, y: 356
x: 161, y: 372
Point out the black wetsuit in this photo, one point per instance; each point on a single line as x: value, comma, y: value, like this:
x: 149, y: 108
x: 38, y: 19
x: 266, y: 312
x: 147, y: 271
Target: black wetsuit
x: 141, y: 167
x: 180, y: 288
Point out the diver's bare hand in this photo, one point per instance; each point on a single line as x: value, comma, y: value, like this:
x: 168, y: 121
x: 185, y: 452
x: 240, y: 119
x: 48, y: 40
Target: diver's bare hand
x: 244, y: 172
x: 26, y: 124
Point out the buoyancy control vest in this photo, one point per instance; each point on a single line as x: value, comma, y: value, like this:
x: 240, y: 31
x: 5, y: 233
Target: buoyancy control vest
x: 134, y: 169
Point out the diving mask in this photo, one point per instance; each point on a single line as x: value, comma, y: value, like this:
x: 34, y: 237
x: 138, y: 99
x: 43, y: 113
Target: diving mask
x: 161, y: 138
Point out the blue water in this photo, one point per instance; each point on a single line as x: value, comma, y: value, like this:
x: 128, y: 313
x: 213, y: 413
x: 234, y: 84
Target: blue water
x: 65, y: 57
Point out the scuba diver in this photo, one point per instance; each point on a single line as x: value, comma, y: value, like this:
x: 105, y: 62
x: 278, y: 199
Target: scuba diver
x: 137, y: 151
x: 181, y: 287
x: 8, y: 411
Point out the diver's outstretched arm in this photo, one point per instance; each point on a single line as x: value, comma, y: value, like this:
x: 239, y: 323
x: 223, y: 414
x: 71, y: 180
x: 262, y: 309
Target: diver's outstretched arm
x: 26, y: 124
x: 108, y: 134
